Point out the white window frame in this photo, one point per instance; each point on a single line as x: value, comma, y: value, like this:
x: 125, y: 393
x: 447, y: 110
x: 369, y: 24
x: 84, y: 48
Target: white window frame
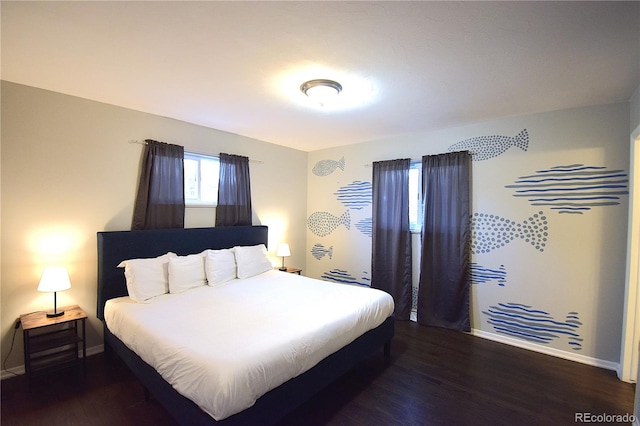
x: 415, y: 197
x: 198, y: 201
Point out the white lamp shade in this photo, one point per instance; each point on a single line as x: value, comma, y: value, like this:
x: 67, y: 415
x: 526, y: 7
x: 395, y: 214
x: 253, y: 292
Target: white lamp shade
x: 55, y: 278
x: 283, y: 250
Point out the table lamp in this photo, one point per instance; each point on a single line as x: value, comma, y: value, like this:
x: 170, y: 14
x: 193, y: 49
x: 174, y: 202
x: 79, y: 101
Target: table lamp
x: 283, y: 251
x: 54, y: 279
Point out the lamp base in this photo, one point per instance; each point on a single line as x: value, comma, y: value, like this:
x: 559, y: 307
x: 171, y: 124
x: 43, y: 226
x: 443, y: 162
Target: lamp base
x: 55, y: 314
x: 282, y: 269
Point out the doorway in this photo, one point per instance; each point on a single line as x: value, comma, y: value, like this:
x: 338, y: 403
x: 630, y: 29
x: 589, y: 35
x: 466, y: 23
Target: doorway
x: 628, y: 368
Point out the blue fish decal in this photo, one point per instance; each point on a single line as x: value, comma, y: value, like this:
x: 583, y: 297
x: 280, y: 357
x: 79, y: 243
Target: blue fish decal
x: 534, y: 325
x: 485, y: 147
x: 365, y: 226
x: 324, y: 223
x: 343, y: 277
x: 575, y: 342
x: 490, y: 232
x: 573, y: 189
x: 356, y: 195
x: 319, y: 251
x: 481, y: 275
x: 326, y: 167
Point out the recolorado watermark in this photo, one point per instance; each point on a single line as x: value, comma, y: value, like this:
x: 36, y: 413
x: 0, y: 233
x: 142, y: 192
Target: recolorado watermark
x: 586, y: 417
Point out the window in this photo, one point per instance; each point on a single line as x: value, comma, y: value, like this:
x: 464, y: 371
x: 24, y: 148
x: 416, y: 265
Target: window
x: 415, y: 196
x: 201, y: 174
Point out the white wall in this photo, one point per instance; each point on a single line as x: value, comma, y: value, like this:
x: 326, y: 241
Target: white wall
x: 68, y: 171
x: 580, y: 270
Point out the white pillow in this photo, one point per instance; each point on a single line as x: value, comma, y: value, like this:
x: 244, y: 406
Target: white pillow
x: 252, y: 260
x: 147, y: 278
x: 220, y: 266
x: 186, y: 272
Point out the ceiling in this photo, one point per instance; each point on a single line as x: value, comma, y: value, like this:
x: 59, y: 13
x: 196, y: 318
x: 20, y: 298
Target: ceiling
x: 237, y: 66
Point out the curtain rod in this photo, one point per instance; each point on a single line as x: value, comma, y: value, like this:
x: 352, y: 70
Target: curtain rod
x: 412, y: 162
x: 193, y: 152
x: 419, y: 160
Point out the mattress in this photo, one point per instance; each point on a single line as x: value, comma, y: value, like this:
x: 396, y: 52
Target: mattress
x: 225, y: 346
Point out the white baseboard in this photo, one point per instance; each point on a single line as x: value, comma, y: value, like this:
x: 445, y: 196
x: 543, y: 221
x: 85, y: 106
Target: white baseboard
x: 546, y: 350
x: 18, y: 370
x: 539, y: 348
x: 12, y: 372
x: 95, y: 350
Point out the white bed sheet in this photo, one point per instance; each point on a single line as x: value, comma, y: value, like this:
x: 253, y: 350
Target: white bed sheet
x: 244, y: 337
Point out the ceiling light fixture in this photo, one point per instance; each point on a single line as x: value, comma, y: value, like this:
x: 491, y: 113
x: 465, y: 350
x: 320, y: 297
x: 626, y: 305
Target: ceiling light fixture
x: 321, y: 90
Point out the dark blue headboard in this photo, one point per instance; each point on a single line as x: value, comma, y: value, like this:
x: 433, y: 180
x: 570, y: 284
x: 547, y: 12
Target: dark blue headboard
x: 116, y: 246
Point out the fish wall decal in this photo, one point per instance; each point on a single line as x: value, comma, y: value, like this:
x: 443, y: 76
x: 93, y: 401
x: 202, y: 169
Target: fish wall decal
x: 319, y: 251
x: 490, y: 232
x: 574, y: 341
x: 485, y: 147
x: 572, y: 189
x: 365, y: 226
x: 356, y: 195
x: 326, y: 167
x: 324, y: 223
x: 534, y: 325
x: 481, y: 275
x: 344, y: 277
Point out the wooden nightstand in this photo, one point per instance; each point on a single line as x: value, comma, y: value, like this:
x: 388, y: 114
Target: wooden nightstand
x: 291, y: 270
x: 51, y: 343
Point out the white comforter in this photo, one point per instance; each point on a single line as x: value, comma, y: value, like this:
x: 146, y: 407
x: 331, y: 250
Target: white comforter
x: 225, y: 346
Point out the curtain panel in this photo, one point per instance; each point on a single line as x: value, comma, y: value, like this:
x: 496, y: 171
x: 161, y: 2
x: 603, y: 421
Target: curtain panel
x: 391, y: 242
x: 160, y: 199
x: 234, y: 192
x: 443, y: 295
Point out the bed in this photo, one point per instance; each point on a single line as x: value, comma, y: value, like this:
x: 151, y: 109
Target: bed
x: 114, y: 247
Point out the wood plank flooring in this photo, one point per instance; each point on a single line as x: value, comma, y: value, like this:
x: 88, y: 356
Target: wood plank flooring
x: 434, y: 377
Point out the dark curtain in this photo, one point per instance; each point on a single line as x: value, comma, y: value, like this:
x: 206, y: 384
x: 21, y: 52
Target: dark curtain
x: 391, y: 249
x: 443, y: 295
x: 234, y: 191
x: 160, y: 199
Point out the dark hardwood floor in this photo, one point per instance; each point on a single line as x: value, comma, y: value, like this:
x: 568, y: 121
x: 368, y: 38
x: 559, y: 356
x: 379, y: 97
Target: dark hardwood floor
x: 434, y: 377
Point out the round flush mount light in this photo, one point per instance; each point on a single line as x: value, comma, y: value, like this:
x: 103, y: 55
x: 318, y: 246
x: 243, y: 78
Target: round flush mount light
x: 354, y: 90
x: 321, y: 90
